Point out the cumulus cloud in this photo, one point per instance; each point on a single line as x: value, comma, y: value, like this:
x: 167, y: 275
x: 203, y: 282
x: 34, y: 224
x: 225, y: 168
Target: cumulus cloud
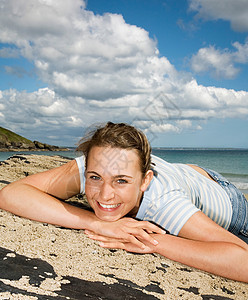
x: 73, y: 49
x: 241, y: 55
x: 100, y: 68
x: 220, y: 63
x: 234, y: 11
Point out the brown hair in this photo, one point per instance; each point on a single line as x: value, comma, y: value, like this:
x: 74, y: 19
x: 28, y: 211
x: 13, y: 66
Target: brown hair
x: 118, y: 135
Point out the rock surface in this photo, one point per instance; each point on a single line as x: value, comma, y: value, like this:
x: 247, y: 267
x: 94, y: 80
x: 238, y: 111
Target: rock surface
x: 42, y: 261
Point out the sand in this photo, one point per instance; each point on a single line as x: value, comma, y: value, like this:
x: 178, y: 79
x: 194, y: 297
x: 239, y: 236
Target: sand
x: 42, y: 261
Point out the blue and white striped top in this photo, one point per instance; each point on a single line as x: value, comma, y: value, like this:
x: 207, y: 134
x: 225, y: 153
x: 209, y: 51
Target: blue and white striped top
x: 176, y: 192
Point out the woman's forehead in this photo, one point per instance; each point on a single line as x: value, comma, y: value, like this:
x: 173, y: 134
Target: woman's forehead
x: 116, y: 160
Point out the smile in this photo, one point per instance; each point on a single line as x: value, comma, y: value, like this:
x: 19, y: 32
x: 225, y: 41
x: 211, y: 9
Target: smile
x: 109, y: 206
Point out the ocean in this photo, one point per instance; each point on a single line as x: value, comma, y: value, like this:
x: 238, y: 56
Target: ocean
x: 231, y: 163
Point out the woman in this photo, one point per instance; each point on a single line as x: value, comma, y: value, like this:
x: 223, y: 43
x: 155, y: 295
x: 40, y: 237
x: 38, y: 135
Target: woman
x: 207, y: 217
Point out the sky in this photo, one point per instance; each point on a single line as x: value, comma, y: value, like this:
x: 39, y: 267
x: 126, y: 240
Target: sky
x: 176, y: 69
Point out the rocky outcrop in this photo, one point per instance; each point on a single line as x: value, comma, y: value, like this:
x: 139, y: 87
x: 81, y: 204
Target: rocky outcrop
x: 41, y: 146
x: 16, y: 145
x: 35, y: 145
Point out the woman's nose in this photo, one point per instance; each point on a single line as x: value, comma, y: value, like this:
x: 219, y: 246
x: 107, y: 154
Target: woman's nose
x: 106, y: 192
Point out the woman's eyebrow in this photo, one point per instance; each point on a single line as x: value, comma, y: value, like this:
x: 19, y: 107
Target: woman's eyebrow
x: 93, y: 172
x: 115, y: 176
x: 121, y: 176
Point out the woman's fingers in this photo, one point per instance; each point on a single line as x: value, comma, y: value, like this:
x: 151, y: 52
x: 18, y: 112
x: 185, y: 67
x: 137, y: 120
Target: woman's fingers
x: 127, y: 231
x: 112, y: 245
x: 149, y: 227
x: 130, y: 238
x: 133, y: 240
x: 99, y: 238
x: 146, y: 225
x: 141, y: 234
x: 125, y: 246
x: 115, y: 241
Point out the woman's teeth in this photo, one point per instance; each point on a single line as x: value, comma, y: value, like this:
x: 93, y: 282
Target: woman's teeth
x: 109, y: 205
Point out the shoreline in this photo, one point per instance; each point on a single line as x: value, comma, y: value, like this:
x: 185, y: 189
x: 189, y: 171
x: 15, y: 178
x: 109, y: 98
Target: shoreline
x: 58, y: 262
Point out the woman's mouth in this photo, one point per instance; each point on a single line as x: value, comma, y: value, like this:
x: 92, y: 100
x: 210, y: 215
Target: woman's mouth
x: 108, y: 207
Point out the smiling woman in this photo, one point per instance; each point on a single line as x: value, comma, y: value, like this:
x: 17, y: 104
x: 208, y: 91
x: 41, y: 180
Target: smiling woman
x: 204, y: 214
x: 112, y: 191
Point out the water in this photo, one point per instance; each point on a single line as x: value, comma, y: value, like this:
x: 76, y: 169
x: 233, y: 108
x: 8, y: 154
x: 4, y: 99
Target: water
x: 231, y: 163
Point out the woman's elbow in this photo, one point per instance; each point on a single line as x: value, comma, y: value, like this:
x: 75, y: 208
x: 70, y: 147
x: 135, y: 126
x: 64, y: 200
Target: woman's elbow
x: 7, y: 195
x: 3, y: 194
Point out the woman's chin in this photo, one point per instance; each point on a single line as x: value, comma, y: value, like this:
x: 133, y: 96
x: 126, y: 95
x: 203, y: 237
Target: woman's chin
x: 107, y: 218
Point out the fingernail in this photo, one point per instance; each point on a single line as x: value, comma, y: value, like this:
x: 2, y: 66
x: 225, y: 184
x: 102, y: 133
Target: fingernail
x: 155, y: 242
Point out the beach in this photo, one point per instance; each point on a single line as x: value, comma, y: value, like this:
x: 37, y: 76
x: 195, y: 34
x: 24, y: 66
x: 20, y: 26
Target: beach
x: 42, y: 261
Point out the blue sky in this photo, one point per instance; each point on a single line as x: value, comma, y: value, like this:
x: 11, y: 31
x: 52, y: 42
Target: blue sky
x: 176, y: 69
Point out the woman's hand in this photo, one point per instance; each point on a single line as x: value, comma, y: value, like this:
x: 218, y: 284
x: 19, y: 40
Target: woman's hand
x: 125, y: 233
x: 115, y: 243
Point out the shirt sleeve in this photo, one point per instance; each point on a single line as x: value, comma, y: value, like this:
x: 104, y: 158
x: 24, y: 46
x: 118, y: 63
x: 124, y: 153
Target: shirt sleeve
x: 170, y: 210
x: 173, y: 211
x: 167, y: 201
x: 81, y: 168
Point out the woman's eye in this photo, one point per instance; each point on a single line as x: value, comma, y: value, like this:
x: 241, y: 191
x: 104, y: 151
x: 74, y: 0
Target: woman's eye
x: 93, y: 177
x: 121, y: 181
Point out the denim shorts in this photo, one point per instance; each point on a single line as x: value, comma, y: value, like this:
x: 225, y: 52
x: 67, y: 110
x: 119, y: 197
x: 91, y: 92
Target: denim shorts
x: 239, y: 221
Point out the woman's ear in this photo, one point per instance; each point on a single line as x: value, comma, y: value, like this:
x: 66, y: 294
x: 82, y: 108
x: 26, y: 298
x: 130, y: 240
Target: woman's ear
x: 146, y: 180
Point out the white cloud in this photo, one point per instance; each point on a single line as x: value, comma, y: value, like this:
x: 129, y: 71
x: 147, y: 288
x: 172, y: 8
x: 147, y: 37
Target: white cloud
x: 46, y: 112
x: 235, y: 11
x: 241, y: 55
x: 100, y: 68
x: 73, y: 49
x: 184, y: 123
x: 220, y: 63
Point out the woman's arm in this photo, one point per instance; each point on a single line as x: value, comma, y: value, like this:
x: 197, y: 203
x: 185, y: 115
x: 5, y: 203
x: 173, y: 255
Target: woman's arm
x: 221, y: 258
x: 202, y: 244
x: 36, y: 197
x: 206, y: 246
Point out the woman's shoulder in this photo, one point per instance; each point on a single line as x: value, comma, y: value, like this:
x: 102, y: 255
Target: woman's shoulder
x: 159, y: 165
x: 157, y: 161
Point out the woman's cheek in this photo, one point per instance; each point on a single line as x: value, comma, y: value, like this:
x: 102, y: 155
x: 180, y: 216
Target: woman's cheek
x: 89, y: 195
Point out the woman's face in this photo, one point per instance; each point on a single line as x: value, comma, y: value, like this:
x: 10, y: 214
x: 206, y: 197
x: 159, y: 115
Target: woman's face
x: 114, y: 183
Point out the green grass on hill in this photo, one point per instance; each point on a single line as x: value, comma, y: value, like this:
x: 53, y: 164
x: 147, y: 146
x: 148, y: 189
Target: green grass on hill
x: 9, y: 136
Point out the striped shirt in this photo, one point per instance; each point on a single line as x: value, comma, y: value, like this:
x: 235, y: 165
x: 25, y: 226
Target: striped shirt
x: 176, y: 192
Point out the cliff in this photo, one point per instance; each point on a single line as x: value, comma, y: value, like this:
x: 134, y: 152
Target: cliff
x: 10, y: 141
